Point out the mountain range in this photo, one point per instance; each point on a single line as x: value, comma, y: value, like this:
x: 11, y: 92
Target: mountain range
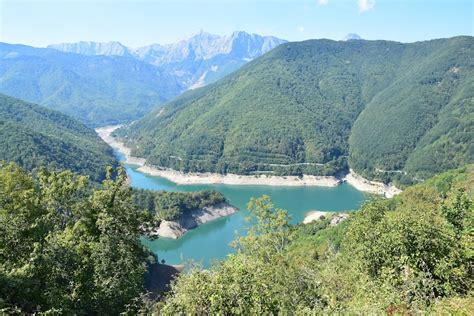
x: 108, y: 83
x: 199, y: 60
x: 98, y: 90
x: 391, y: 111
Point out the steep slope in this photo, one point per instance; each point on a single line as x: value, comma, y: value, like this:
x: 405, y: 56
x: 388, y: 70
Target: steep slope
x: 292, y: 110
x: 197, y: 61
x: 423, y: 123
x: 98, y: 90
x: 34, y: 137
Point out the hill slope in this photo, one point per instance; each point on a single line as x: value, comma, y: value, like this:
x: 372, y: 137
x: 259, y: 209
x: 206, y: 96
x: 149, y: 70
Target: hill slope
x: 423, y: 123
x: 294, y: 110
x: 34, y: 137
x: 98, y: 90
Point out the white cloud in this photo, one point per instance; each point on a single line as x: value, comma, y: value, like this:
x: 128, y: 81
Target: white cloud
x: 322, y: 2
x: 365, y: 5
x: 301, y: 29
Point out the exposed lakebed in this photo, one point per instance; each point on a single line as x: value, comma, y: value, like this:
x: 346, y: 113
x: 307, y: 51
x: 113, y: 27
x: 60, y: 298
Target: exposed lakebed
x: 210, y: 242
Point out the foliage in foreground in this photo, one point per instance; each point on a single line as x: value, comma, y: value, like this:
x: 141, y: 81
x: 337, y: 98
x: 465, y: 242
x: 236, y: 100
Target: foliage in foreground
x: 72, y: 248
x: 411, y: 254
x: 68, y: 247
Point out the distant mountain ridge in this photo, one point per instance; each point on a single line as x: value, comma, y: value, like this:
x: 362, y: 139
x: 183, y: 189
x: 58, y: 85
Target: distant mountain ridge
x: 98, y: 90
x: 93, y: 48
x: 109, y: 83
x: 352, y: 37
x: 196, y: 61
x: 200, y: 46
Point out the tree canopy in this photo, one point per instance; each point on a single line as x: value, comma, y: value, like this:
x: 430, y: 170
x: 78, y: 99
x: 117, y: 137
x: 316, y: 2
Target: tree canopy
x: 67, y: 247
x: 72, y: 248
x: 34, y: 136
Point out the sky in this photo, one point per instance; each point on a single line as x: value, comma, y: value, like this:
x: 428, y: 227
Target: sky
x: 143, y: 22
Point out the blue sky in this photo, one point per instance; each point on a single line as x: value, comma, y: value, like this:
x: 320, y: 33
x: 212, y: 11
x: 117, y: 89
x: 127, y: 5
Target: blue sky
x: 142, y: 22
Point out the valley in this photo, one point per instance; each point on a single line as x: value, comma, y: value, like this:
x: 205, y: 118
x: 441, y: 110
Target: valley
x: 279, y: 164
x: 108, y: 83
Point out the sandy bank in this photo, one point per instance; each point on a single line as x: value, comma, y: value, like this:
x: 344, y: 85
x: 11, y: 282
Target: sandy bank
x: 312, y: 216
x: 365, y: 185
x: 177, y: 177
x: 190, y: 220
x: 336, y: 218
x: 106, y: 134
x: 235, y: 179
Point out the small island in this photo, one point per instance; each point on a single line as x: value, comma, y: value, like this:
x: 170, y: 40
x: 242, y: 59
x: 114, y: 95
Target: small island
x: 177, y: 212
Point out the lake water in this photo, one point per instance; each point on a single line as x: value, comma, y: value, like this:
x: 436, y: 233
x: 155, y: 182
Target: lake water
x: 210, y: 242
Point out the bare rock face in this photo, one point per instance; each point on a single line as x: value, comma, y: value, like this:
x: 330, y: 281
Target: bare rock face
x: 190, y: 220
x: 93, y: 48
x: 194, y: 62
x: 170, y: 229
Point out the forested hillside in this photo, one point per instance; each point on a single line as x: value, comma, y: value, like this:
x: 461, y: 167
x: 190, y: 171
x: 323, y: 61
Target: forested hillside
x: 66, y: 247
x: 392, y: 111
x: 34, y: 136
x: 423, y: 123
x: 98, y: 90
x: 165, y: 205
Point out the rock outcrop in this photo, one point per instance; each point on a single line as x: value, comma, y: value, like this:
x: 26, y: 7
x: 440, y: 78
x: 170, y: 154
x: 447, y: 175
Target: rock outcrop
x: 190, y: 220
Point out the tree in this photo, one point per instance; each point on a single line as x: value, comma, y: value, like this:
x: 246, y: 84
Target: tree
x: 68, y: 246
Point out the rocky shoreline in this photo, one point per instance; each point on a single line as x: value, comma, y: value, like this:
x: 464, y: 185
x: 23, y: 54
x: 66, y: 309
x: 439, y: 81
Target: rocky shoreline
x: 335, y: 218
x: 362, y: 184
x: 192, y: 219
x: 177, y: 177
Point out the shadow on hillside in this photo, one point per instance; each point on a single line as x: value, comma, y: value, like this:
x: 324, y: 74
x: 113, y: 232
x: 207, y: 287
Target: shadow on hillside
x: 159, y: 278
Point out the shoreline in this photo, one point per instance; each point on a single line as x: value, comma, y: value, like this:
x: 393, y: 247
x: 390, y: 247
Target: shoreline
x: 175, y: 229
x: 355, y: 180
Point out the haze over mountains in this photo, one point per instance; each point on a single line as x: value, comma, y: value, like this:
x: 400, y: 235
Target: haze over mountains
x: 196, y: 61
x: 200, y: 46
x: 313, y: 107
x: 108, y: 83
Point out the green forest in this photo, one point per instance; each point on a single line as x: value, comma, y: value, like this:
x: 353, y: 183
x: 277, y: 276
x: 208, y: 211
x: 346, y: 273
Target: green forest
x: 166, y: 205
x: 73, y: 248
x: 391, y: 111
x: 34, y: 137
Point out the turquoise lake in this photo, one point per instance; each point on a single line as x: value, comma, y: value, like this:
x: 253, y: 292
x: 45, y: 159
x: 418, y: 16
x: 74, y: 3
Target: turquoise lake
x: 210, y: 242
